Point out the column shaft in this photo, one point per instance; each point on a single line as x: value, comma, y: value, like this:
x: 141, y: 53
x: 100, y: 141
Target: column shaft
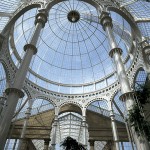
x: 28, y: 113
x: 54, y: 131
x: 84, y: 128
x: 15, y: 93
x: 146, y: 56
x: 114, y: 130
x: 115, y: 53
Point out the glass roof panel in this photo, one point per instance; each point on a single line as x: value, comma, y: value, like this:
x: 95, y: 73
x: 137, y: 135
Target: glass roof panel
x: 69, y: 125
x: 71, y: 54
x: 7, y: 7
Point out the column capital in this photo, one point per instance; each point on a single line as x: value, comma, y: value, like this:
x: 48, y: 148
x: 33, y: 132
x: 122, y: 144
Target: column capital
x: 144, y: 42
x: 31, y: 47
x: 146, y: 49
x: 17, y: 91
x: 41, y: 17
x: 127, y: 96
x: 112, y: 114
x: 115, y: 50
x: 105, y: 20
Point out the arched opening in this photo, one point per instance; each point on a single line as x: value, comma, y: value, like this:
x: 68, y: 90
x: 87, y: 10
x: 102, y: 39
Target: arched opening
x: 69, y: 125
x: 39, y: 123
x: 69, y: 107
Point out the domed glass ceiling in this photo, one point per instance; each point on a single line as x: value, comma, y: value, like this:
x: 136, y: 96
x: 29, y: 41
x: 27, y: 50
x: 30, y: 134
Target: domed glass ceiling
x: 73, y: 51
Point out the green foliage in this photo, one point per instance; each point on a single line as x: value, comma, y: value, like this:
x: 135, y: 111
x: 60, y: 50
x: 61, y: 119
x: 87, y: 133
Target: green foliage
x: 137, y: 120
x: 142, y: 93
x: 71, y: 144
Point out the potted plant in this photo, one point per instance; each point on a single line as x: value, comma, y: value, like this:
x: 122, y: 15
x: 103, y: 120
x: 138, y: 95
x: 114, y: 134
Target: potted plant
x: 71, y: 144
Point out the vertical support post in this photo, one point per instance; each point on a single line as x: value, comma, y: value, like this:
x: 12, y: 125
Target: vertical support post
x: 114, y: 126
x: 15, y: 92
x: 28, y: 113
x: 91, y: 144
x: 54, y: 131
x: 146, y: 56
x: 46, y: 144
x: 115, y: 54
x: 114, y: 130
x: 84, y: 129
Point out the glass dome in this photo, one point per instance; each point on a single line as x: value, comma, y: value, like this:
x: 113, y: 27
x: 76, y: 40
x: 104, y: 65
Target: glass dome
x: 73, y: 51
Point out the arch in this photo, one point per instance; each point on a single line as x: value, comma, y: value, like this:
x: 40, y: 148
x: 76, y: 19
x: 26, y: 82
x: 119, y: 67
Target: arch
x: 46, y: 98
x: 70, y: 107
x: 92, y: 2
x: 140, y: 77
x: 94, y: 100
x: 19, y: 13
x: 41, y: 105
x: 7, y: 72
x: 128, y: 19
x: 102, y: 103
x: 116, y: 102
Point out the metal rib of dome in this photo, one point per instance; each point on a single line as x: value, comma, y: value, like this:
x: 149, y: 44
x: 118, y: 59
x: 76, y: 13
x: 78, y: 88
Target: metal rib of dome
x: 73, y: 57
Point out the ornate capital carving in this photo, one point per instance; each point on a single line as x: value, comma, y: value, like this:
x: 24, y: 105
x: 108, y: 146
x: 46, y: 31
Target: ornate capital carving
x: 41, y: 17
x: 30, y: 46
x: 115, y: 50
x: 105, y: 20
x: 127, y: 95
x: 17, y: 91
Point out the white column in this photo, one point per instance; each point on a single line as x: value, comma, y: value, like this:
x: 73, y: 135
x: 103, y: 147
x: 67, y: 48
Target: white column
x: 114, y: 126
x: 146, y: 56
x: 84, y: 131
x: 114, y: 130
x: 28, y: 113
x: 115, y: 54
x: 15, y: 92
x: 54, y: 131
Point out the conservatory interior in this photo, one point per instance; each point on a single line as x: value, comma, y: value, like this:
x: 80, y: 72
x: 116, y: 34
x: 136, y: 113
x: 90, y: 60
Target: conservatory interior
x: 77, y: 69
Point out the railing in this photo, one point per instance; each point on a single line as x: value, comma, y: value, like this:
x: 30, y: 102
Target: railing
x: 105, y: 112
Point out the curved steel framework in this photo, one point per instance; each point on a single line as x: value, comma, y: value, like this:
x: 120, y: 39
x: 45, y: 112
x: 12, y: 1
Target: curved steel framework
x: 71, y: 70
